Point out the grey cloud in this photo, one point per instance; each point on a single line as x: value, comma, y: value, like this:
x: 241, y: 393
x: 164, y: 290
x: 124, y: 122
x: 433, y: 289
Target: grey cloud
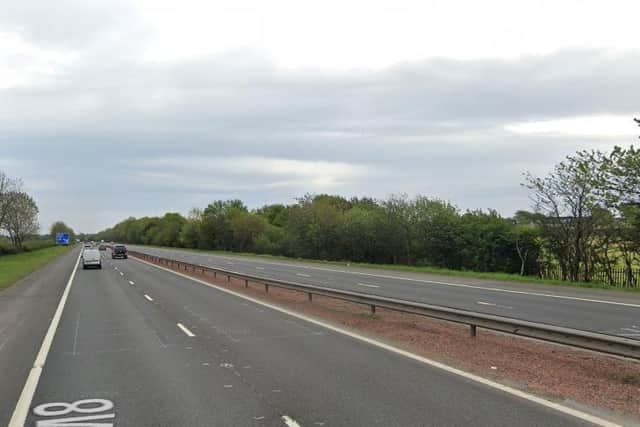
x: 432, y: 127
x: 65, y: 24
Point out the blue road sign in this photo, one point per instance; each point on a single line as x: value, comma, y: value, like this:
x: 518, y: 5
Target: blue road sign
x: 62, y: 238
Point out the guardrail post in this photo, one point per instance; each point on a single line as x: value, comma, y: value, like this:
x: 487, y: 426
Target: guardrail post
x: 215, y: 274
x: 571, y: 337
x: 246, y: 283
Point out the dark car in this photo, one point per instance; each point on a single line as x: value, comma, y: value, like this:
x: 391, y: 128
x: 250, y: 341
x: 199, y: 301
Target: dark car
x: 119, y: 251
x: 102, y: 247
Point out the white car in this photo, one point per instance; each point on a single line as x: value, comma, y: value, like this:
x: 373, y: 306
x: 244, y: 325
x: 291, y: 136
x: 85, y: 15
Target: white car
x: 91, y: 258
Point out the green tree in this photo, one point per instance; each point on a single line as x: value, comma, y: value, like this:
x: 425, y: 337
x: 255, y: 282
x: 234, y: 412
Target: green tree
x: 361, y: 232
x: 313, y: 228
x: 8, y: 186
x: 216, y: 227
x: 191, y: 233
x: 567, y: 197
x: 526, y: 238
x: 399, y: 227
x: 276, y: 214
x: 167, y: 230
x: 246, y: 227
x: 438, y: 233
x: 21, y: 219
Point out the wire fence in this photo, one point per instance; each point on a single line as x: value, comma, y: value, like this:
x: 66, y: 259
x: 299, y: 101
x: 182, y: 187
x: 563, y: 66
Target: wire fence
x: 618, y: 277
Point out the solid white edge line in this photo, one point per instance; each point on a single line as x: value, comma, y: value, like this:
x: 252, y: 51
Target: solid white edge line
x: 186, y: 331
x: 427, y: 282
x: 21, y: 410
x: 148, y: 297
x: 504, y: 388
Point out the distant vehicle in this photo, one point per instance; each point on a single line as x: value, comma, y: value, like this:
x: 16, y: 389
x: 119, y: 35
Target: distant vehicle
x: 91, y: 258
x: 102, y: 247
x: 119, y: 251
x: 88, y: 245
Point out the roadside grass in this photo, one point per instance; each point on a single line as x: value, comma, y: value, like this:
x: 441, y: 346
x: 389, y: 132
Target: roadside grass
x: 15, y: 267
x: 505, y: 277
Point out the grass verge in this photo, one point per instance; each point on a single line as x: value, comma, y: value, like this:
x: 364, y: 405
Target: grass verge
x: 15, y: 267
x: 504, y: 277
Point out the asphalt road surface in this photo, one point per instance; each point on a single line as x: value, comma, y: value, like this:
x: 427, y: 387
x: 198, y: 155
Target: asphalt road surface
x: 139, y: 346
x: 609, y: 312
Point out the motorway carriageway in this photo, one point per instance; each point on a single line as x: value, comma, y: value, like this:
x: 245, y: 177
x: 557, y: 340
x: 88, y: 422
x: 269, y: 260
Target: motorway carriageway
x: 607, y: 312
x: 140, y: 346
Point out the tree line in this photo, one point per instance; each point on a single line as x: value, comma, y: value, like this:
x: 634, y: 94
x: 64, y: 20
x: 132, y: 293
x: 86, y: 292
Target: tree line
x: 398, y: 230
x: 585, y: 218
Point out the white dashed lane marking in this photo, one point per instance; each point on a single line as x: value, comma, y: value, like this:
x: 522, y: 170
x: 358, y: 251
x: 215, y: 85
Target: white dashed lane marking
x: 148, y: 297
x: 131, y: 282
x: 367, y: 285
x: 445, y: 368
x: 186, y: 331
x: 290, y: 422
x: 494, y: 305
x: 303, y: 275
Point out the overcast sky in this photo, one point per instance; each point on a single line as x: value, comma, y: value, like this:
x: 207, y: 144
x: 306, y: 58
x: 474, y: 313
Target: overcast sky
x: 110, y: 108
